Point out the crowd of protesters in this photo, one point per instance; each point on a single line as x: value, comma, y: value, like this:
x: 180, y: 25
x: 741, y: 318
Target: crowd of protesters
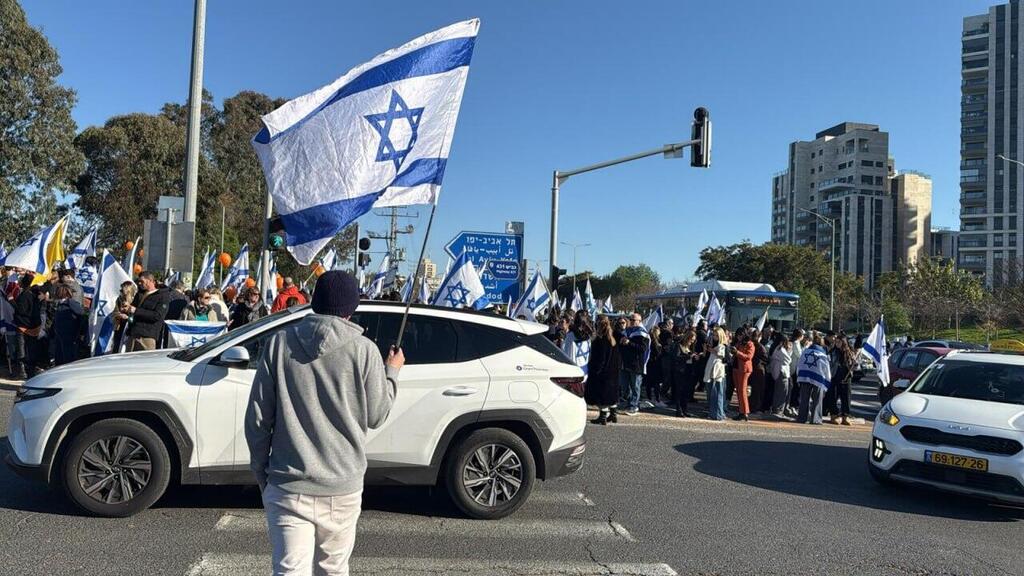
x: 743, y: 372
x: 49, y: 324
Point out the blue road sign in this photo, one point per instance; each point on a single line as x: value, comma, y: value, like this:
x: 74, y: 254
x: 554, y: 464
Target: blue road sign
x: 499, y: 254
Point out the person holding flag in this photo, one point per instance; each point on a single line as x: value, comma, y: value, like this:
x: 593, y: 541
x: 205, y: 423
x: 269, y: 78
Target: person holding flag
x: 576, y: 345
x: 115, y: 292
x: 814, y: 376
x: 876, y: 348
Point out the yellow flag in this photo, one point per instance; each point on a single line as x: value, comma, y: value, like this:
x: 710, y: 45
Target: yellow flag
x: 53, y: 252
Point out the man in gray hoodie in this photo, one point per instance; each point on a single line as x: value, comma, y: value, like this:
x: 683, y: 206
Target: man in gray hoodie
x: 320, y: 385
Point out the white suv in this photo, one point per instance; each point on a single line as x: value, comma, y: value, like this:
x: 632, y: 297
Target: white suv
x: 959, y: 427
x: 483, y: 407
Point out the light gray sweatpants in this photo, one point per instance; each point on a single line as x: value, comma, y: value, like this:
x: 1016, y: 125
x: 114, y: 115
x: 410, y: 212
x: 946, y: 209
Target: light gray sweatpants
x: 311, y: 534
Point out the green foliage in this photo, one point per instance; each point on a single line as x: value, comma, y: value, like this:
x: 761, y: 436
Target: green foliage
x: 813, y: 310
x: 623, y: 285
x: 37, y: 158
x: 897, y: 320
x: 787, y: 267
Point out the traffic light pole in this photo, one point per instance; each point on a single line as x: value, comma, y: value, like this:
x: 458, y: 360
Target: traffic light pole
x: 669, y: 150
x: 268, y: 211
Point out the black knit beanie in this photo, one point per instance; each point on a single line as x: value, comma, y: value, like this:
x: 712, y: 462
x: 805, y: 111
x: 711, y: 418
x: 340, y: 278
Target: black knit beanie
x: 336, y: 293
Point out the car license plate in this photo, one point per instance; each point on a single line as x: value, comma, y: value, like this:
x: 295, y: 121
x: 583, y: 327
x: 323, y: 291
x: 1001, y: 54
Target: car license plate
x: 956, y: 461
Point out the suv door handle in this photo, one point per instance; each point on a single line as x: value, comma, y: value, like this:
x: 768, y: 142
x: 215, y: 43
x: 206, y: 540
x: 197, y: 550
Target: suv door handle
x: 460, y: 391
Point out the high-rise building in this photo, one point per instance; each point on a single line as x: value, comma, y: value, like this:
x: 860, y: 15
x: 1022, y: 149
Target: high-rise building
x: 845, y: 175
x: 990, y: 188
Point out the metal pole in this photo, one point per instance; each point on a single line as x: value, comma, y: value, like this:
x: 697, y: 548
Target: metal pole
x: 167, y: 246
x: 195, y: 105
x: 355, y: 259
x: 552, y: 256
x: 416, y: 280
x: 268, y: 211
x: 219, y: 264
x: 832, y: 288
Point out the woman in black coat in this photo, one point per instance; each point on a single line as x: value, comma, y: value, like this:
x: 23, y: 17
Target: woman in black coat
x: 602, y: 389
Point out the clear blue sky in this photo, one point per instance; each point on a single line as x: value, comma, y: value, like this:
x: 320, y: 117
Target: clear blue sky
x: 557, y: 85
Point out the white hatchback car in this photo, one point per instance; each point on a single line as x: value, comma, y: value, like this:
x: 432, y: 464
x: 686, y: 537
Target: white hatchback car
x: 959, y: 427
x: 483, y: 408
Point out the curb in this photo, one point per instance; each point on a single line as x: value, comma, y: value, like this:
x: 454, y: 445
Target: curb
x: 10, y: 385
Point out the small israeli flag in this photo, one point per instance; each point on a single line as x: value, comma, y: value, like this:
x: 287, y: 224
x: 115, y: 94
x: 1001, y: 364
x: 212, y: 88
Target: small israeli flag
x: 101, y: 317
x: 762, y: 321
x: 129, y: 259
x: 270, y: 283
x: 577, y: 302
x: 654, y: 318
x: 85, y: 248
x: 424, y: 297
x: 377, y: 136
x: 239, y: 270
x: 192, y: 333
x: 205, y: 279
x: 86, y: 276
x: 878, y: 350
x: 607, y: 307
x: 534, y: 301
x: 589, y: 304
x: 715, y: 311
x: 462, y: 287
x: 3, y: 253
x: 376, y: 287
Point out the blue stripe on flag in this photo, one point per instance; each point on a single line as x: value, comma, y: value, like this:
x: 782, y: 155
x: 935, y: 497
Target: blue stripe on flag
x: 326, y: 220
x: 436, y: 58
x: 815, y: 376
x: 103, y: 339
x: 873, y: 353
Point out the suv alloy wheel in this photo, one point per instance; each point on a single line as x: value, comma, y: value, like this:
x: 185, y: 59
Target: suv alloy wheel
x: 490, y: 473
x: 116, y: 468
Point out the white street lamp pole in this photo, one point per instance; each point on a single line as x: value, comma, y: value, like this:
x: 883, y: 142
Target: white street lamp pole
x: 831, y: 264
x: 574, y: 247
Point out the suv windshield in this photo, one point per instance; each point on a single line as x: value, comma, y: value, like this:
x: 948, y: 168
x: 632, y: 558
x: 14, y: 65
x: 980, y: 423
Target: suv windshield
x: 190, y: 354
x: 973, y: 380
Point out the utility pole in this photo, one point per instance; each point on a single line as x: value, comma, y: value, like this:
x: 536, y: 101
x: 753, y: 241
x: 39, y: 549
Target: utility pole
x: 195, y: 107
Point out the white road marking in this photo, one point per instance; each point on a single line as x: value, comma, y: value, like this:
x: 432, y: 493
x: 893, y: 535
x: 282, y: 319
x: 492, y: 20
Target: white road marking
x: 246, y: 564
x: 255, y: 521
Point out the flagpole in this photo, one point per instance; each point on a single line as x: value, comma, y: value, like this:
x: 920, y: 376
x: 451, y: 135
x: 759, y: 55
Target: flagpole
x: 416, y: 277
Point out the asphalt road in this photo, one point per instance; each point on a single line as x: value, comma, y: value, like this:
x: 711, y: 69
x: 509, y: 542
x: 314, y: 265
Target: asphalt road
x: 657, y: 496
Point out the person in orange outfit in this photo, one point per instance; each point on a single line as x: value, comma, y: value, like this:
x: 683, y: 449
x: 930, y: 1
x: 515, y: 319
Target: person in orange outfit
x: 288, y: 290
x: 742, y: 367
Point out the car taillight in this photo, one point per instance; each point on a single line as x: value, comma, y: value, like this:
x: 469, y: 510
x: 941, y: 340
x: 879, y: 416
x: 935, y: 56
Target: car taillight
x: 573, y: 384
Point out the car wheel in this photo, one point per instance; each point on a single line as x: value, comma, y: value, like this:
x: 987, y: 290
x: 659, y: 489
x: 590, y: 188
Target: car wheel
x: 116, y: 468
x: 879, y: 475
x: 490, y: 473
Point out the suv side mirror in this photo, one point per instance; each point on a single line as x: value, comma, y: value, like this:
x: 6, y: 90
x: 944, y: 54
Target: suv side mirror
x: 234, y: 357
x: 901, y: 384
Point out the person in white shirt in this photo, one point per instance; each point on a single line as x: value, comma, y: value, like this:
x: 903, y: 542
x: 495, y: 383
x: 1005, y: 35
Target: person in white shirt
x: 780, y: 367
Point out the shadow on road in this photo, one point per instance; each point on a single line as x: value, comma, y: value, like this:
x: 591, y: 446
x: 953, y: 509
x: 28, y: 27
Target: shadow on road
x: 831, y: 473
x: 17, y: 493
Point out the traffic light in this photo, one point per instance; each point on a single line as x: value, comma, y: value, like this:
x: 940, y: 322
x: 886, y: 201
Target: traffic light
x: 276, y: 241
x: 364, y: 244
x: 556, y: 276
x: 364, y: 259
x: 701, y: 151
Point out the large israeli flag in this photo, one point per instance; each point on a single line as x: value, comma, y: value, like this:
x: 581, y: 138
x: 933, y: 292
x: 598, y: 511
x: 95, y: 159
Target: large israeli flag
x: 462, y: 287
x: 377, y: 136
x: 84, y: 249
x: 206, y: 279
x: 534, y: 300
x: 101, y: 316
x: 814, y: 368
x: 876, y: 348
x: 192, y: 333
x: 239, y: 270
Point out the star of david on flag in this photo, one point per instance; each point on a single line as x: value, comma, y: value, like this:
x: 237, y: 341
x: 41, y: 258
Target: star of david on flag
x: 378, y: 136
x: 462, y: 287
x: 191, y: 333
x: 534, y: 300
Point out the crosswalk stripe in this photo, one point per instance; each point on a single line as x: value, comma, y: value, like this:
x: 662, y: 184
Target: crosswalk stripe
x: 255, y: 521
x: 246, y: 564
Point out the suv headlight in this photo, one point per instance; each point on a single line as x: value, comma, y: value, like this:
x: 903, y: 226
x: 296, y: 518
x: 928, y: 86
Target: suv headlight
x: 887, y: 416
x: 26, y: 393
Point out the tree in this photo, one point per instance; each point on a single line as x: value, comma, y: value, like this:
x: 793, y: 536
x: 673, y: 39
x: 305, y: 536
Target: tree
x: 787, y: 267
x: 897, y: 320
x: 37, y: 157
x: 130, y: 162
x: 813, y: 310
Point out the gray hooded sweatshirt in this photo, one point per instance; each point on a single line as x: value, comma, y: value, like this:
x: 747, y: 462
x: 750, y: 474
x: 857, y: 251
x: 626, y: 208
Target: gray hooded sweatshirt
x: 320, y: 385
